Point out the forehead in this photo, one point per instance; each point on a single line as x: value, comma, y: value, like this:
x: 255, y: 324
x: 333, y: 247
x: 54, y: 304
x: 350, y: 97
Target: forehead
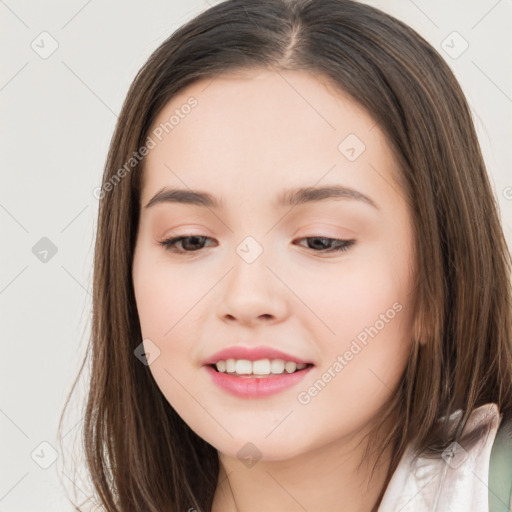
x: 257, y: 129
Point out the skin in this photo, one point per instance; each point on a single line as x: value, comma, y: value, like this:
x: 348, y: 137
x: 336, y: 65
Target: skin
x: 250, y: 136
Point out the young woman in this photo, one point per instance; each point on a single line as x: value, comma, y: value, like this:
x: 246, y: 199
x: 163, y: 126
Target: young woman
x: 302, y: 289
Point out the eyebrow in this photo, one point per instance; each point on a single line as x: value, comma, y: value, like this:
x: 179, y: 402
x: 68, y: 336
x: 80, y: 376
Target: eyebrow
x: 290, y: 197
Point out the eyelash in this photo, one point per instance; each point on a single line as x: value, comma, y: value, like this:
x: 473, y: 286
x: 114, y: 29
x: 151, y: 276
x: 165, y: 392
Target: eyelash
x: 170, y: 244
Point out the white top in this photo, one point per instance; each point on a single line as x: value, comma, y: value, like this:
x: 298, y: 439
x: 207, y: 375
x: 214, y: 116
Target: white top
x: 457, y: 483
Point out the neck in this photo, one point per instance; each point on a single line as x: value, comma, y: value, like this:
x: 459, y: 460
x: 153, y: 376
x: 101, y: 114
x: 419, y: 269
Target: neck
x: 331, y: 477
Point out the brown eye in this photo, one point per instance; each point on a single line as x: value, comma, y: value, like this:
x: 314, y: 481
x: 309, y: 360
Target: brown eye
x: 324, y: 244
x: 189, y: 244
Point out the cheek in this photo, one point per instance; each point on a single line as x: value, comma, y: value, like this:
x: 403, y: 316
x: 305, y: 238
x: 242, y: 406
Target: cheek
x: 363, y: 364
x: 348, y: 296
x: 167, y: 298
x: 170, y: 305
x: 366, y: 303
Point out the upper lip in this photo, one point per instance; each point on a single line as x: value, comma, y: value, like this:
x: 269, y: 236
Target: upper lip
x: 252, y: 354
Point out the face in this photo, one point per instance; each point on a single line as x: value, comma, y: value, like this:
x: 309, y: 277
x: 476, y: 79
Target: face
x: 327, y: 280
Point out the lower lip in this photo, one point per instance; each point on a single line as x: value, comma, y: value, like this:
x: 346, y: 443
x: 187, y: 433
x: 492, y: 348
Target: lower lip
x: 255, y: 387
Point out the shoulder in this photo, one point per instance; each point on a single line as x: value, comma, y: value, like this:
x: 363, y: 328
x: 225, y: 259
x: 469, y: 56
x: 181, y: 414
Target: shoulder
x: 500, y: 469
x: 451, y: 481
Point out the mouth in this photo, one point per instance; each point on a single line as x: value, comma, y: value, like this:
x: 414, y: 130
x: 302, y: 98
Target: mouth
x: 261, y: 369
x: 252, y: 379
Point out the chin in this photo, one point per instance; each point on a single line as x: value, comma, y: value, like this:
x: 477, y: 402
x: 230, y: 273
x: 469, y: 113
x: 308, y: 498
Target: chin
x: 249, y: 448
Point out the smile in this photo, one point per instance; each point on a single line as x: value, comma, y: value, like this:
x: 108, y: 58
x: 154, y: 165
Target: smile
x: 250, y: 379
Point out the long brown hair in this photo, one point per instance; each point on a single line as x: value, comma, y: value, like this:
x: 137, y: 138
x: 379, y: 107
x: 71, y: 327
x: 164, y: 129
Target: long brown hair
x: 140, y: 453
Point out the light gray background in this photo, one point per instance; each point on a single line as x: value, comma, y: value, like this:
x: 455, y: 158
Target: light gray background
x: 58, y: 114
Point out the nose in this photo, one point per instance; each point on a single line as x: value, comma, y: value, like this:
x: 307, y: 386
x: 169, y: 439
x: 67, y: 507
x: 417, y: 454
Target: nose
x: 253, y: 293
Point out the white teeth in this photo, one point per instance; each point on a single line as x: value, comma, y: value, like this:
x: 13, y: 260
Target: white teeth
x: 277, y: 366
x: 259, y: 367
x: 290, y: 367
x: 243, y: 367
